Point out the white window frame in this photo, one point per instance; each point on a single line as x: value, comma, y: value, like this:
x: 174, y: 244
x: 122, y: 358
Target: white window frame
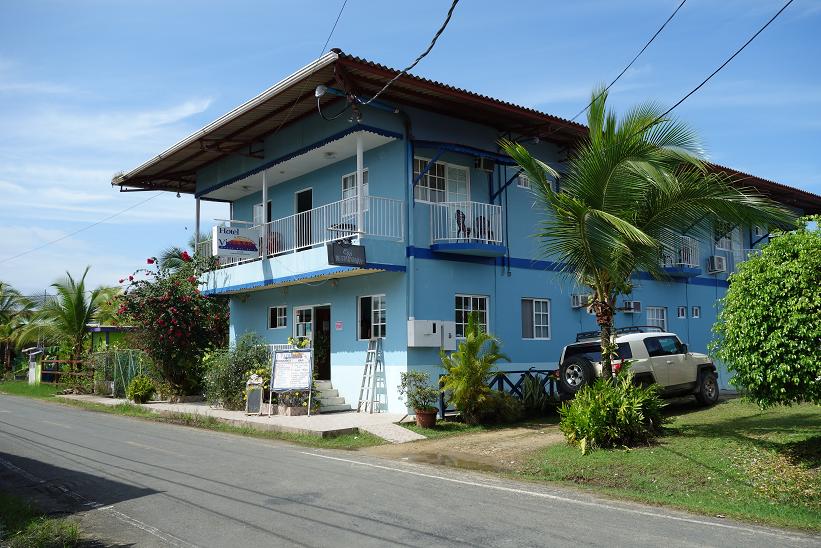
x: 473, y: 308
x: 523, y: 181
x: 445, y: 166
x: 281, y: 314
x: 384, y: 308
x: 535, y: 314
x: 696, y: 312
x: 731, y: 241
x: 659, y: 316
x: 353, y: 192
x: 260, y: 206
x: 681, y: 312
x: 309, y: 333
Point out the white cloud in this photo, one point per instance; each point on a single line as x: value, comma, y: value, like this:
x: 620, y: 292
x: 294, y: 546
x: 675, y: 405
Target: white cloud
x: 12, y: 82
x: 6, y: 186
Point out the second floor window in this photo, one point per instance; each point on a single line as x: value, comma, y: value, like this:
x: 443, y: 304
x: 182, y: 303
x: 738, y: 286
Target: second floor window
x: 523, y: 181
x: 727, y: 237
x: 441, y: 183
x: 465, y: 305
x: 349, y: 190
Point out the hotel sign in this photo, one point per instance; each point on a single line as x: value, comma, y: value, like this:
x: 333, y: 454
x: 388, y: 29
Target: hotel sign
x: 235, y: 243
x: 342, y: 254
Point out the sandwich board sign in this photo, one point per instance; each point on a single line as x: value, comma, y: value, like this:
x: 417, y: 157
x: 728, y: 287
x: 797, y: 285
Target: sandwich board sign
x: 292, y: 370
x: 233, y: 242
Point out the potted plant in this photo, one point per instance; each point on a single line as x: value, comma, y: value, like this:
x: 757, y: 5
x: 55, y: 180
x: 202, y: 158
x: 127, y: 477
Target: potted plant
x: 421, y: 396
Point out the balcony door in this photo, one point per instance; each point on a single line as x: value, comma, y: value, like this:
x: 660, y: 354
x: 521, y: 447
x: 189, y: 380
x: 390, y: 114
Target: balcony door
x: 302, y: 222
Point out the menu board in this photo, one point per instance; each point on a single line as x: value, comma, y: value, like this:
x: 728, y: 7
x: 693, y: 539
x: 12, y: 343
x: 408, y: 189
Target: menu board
x: 292, y: 370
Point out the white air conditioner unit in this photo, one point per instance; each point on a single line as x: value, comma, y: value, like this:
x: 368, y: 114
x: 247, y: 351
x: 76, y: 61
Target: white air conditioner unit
x: 716, y: 264
x: 631, y: 307
x: 484, y: 164
x: 579, y: 300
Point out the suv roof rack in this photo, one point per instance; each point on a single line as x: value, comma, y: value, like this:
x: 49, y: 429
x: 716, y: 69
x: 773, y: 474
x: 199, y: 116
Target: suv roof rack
x: 591, y: 335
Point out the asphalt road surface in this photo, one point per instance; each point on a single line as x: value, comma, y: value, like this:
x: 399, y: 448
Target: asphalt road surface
x: 133, y: 482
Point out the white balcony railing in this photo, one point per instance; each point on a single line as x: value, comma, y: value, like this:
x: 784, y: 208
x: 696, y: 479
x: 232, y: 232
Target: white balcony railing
x: 685, y: 253
x: 382, y: 218
x: 453, y: 222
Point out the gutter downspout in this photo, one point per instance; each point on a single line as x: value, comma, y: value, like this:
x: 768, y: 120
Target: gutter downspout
x: 411, y: 204
x: 197, y: 227
x: 360, y: 190
x: 264, y: 250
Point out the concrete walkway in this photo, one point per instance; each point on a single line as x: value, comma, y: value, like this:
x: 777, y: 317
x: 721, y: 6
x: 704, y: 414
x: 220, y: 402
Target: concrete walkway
x: 331, y: 424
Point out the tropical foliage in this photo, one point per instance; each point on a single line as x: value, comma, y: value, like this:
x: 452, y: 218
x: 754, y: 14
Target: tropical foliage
x: 174, y: 323
x: 171, y: 257
x: 226, y: 371
x: 15, y: 312
x: 468, y: 371
x: 140, y: 389
x: 415, y: 387
x: 62, y: 320
x: 768, y: 331
x: 612, y: 414
x: 627, y: 193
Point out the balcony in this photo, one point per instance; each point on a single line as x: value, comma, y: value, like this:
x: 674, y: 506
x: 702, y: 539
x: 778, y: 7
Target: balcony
x: 683, y: 259
x: 381, y: 218
x: 470, y: 228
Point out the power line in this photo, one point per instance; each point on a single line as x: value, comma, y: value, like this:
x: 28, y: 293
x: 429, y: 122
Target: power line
x: 630, y: 64
x: 724, y: 64
x: 70, y: 234
x: 421, y: 55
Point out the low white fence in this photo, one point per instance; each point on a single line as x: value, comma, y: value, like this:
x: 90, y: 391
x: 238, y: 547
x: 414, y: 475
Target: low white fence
x: 453, y: 222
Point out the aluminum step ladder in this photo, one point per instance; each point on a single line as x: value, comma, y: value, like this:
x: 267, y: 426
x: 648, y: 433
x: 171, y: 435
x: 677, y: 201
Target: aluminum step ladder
x: 373, y: 377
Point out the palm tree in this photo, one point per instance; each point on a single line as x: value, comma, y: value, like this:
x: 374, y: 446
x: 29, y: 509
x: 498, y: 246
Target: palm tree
x: 630, y: 190
x: 469, y: 369
x: 15, y: 309
x: 171, y: 257
x: 63, y: 319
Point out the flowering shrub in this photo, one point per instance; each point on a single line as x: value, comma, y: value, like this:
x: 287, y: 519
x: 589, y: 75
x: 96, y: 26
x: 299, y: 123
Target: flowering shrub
x: 175, y: 324
x: 227, y: 371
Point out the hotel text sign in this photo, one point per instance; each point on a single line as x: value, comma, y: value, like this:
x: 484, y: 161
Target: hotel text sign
x: 235, y: 243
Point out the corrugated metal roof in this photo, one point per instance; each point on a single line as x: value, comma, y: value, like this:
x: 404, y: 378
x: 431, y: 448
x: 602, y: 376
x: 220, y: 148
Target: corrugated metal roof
x: 239, y: 131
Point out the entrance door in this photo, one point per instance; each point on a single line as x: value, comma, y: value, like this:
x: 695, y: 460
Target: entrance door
x: 322, y: 342
x: 302, y: 222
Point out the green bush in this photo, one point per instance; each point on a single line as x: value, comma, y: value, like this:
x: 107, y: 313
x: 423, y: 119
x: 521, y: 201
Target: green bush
x: 612, y: 413
x: 499, y: 408
x: 534, y: 399
x: 469, y: 370
x: 227, y: 371
x: 140, y: 389
x: 415, y: 386
x: 768, y: 333
x: 47, y: 533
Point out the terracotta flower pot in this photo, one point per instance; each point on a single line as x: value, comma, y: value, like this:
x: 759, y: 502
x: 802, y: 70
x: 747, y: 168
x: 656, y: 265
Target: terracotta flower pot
x: 425, y: 418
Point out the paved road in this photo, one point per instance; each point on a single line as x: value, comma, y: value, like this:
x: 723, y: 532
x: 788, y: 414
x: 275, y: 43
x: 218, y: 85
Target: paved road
x: 148, y: 484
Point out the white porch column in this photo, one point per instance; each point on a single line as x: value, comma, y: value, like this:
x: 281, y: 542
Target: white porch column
x: 197, y: 227
x: 264, y: 228
x: 360, y: 194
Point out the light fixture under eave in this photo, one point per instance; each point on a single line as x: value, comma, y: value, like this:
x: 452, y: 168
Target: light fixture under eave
x: 320, y: 90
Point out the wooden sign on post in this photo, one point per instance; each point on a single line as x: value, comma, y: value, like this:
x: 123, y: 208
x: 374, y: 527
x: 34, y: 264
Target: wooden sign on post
x: 292, y: 370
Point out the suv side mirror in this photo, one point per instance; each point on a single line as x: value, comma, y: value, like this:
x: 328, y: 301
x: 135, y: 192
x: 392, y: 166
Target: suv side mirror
x: 684, y: 348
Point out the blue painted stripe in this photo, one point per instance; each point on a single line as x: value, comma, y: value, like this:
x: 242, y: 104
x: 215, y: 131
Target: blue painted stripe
x: 532, y: 264
x: 490, y: 249
x: 379, y: 267
x: 301, y: 151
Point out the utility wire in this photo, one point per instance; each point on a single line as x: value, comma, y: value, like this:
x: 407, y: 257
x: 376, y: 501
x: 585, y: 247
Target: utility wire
x: 724, y: 64
x: 420, y: 57
x: 630, y: 64
x: 70, y: 234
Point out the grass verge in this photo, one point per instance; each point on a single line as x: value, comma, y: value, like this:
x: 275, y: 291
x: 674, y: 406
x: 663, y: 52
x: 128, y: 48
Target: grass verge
x: 345, y: 441
x: 448, y: 428
x: 21, y: 525
x: 730, y: 460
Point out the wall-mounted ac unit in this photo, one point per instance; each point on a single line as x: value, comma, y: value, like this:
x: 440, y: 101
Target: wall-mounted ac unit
x: 484, y: 164
x: 432, y: 334
x: 631, y: 307
x: 579, y: 300
x: 716, y: 264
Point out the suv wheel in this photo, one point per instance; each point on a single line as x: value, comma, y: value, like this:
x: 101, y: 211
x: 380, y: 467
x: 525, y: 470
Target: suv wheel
x: 574, y: 374
x: 707, y: 392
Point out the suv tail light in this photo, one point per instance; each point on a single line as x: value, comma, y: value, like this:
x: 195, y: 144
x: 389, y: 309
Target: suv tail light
x: 616, y: 366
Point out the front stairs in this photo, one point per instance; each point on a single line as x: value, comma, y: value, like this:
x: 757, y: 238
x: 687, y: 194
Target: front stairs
x: 329, y: 398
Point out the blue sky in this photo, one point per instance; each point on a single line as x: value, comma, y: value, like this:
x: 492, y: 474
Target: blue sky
x: 89, y: 88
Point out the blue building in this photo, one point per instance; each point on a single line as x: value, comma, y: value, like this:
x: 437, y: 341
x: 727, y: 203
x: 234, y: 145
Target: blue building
x: 415, y: 180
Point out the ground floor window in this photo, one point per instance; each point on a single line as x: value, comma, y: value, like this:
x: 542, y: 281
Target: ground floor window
x: 681, y: 312
x: 696, y: 312
x: 303, y: 324
x: 535, y: 319
x: 373, y: 318
x: 657, y: 315
x: 277, y: 317
x: 465, y: 304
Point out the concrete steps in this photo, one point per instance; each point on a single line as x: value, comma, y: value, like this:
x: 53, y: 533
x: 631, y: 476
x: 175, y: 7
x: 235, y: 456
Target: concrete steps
x: 329, y: 398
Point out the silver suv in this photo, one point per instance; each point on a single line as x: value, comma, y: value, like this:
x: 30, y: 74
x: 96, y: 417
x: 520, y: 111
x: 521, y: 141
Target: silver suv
x: 657, y: 357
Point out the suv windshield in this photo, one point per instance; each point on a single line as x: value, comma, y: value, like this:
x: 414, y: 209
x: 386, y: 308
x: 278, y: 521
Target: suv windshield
x: 592, y: 351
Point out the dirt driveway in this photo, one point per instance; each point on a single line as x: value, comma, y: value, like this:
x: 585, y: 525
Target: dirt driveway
x: 492, y: 450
